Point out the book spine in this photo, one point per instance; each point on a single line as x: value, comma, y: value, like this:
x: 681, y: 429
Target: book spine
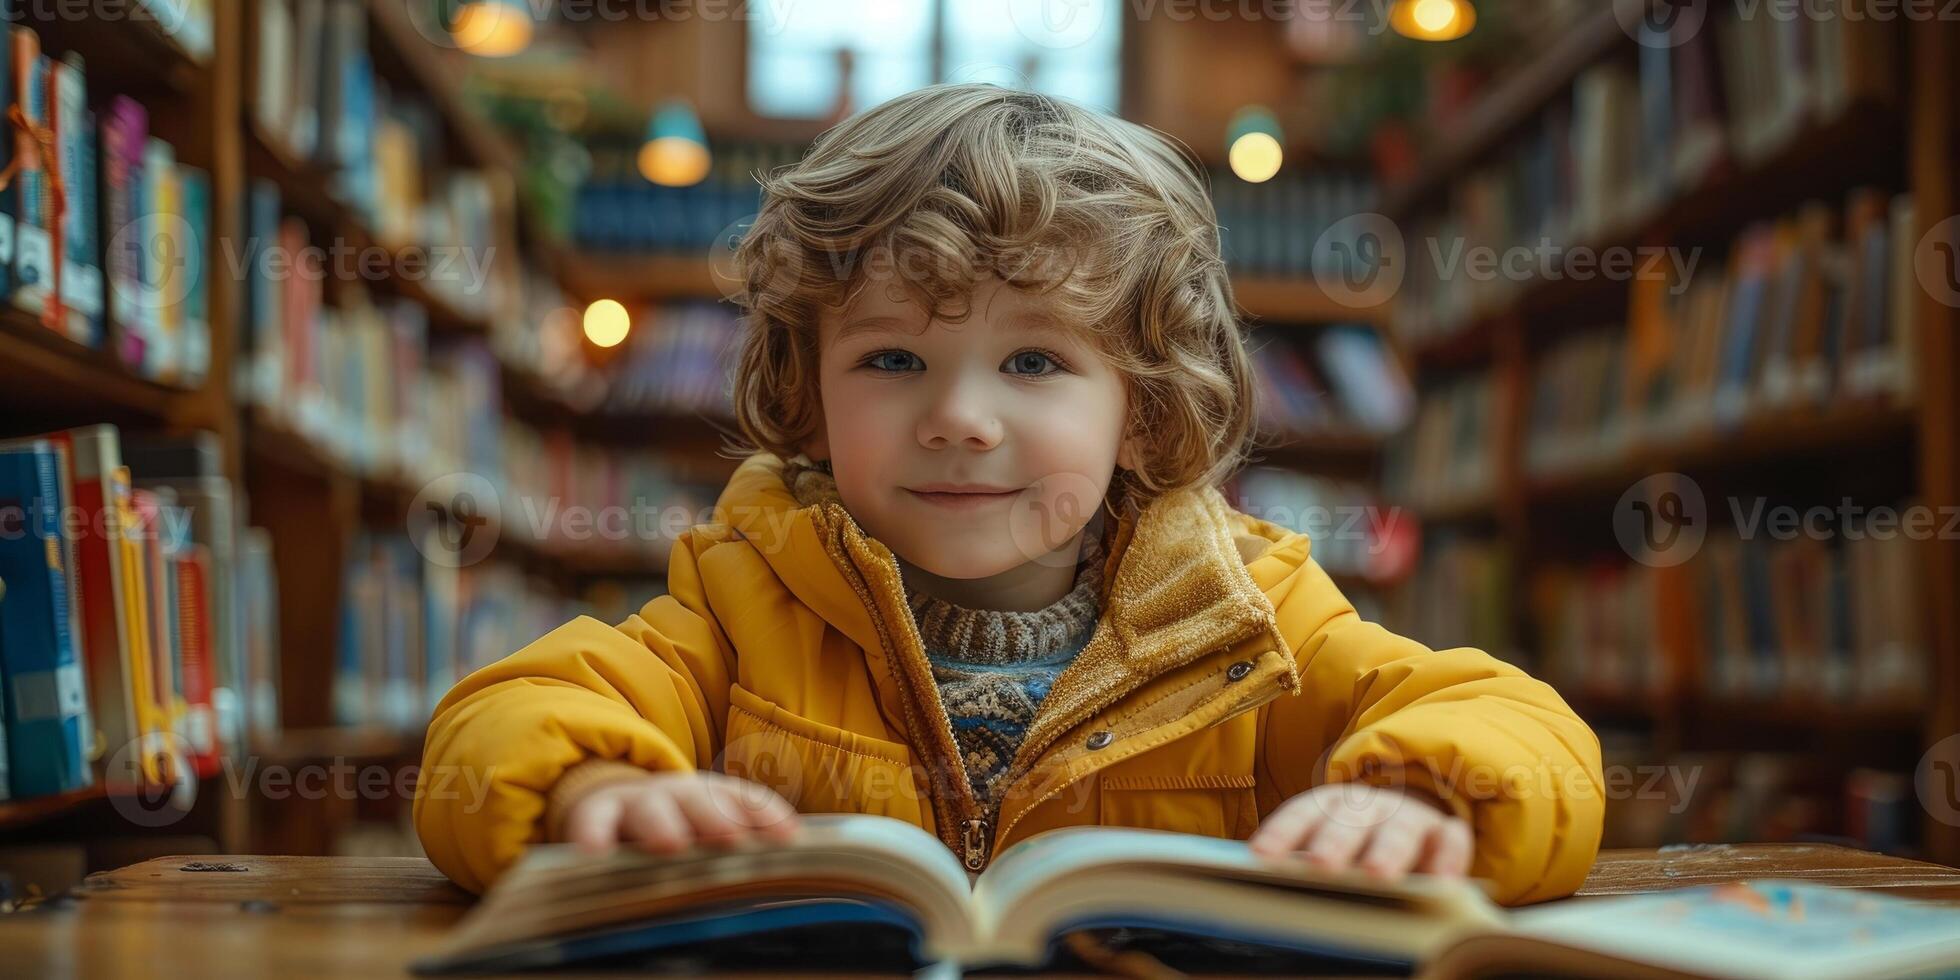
x: 9, y: 194
x: 194, y: 319
x: 164, y: 261
x: 33, y: 241
x: 72, y: 216
x: 105, y: 630
x: 45, y: 693
x: 193, y: 608
x: 136, y: 513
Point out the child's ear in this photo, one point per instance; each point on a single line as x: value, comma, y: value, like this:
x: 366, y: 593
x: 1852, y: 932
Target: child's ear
x: 1127, y: 453
x: 817, y: 445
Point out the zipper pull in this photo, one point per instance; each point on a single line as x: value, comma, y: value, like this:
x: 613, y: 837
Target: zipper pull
x: 976, y: 837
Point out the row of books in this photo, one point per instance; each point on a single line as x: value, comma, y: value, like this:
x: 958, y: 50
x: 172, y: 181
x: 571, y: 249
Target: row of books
x: 1345, y: 380
x: 1810, y: 310
x: 1354, y: 535
x: 1802, y: 621
x: 617, y: 210
x: 678, y: 360
x: 410, y: 628
x: 1723, y: 797
x: 106, y: 237
x: 1291, y: 226
x: 1449, y: 455
x: 612, y: 504
x: 317, y: 97
x: 1459, y: 595
x: 136, y: 629
x: 1635, y: 136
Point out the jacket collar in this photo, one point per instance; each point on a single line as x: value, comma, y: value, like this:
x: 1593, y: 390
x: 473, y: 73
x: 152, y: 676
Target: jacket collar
x: 1175, y: 587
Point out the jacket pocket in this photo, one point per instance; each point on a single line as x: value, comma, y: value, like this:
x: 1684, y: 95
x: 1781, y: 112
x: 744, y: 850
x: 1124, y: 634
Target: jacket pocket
x: 1220, y: 805
x: 818, y: 768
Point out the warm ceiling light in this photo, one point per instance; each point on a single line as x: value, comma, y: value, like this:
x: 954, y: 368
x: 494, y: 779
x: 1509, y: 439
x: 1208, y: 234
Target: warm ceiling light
x: 492, y: 28
x: 607, y: 323
x: 1432, y: 20
x: 1254, y: 150
x: 675, y: 153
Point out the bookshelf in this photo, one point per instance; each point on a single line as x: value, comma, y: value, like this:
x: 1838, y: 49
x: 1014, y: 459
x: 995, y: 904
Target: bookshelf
x: 1873, y: 449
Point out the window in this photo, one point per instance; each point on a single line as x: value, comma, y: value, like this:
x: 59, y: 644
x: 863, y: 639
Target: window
x: 1062, y: 47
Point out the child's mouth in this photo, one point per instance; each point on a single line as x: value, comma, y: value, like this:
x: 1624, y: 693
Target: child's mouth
x: 966, y: 500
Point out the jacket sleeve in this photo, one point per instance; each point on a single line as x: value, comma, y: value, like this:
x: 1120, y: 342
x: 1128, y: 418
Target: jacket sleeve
x: 651, y: 692
x: 1500, y: 749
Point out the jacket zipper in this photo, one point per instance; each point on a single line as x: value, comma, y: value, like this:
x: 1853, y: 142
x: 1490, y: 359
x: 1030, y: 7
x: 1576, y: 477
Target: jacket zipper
x: 969, y: 835
x: 1275, y: 691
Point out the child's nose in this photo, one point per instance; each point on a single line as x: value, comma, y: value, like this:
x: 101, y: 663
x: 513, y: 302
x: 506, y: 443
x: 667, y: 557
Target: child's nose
x: 960, y: 416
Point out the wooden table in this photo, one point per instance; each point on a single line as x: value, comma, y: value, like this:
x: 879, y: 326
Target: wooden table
x: 291, y: 917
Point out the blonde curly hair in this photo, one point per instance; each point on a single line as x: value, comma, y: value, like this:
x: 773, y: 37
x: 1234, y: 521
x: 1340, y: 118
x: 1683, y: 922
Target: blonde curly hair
x: 951, y: 184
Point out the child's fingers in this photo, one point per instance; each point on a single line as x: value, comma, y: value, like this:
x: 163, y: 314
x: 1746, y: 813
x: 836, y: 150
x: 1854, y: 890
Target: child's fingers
x: 714, y: 819
x: 761, y: 809
x: 1394, y: 846
x: 593, y: 825
x: 1449, y: 850
x: 1286, y: 829
x: 1336, y: 842
x: 652, y: 821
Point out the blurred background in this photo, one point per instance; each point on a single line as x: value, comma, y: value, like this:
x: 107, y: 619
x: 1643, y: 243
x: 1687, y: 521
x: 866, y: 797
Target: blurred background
x: 371, y: 339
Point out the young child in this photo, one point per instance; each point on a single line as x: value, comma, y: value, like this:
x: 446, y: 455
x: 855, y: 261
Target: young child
x: 978, y: 576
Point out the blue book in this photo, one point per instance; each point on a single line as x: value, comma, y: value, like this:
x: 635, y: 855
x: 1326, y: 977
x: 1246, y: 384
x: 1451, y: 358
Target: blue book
x: 48, y: 723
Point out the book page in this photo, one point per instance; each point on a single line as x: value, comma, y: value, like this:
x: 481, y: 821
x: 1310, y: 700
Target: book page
x: 1057, y: 854
x: 1763, y: 927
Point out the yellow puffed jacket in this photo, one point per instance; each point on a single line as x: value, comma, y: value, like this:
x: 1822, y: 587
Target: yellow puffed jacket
x: 1227, y: 674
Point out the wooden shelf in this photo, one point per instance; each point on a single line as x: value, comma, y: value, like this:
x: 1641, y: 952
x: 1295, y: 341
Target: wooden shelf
x: 51, y: 377
x: 129, y: 54
x: 37, y: 809
x: 1302, y: 301
x: 1754, y: 442
x: 1834, y: 153
x: 1513, y: 102
x: 305, y: 745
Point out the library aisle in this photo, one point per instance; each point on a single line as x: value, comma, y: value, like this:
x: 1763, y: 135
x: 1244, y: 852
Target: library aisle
x: 347, y: 346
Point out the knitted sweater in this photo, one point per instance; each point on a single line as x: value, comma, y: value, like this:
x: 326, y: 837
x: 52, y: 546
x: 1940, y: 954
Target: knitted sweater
x: 993, y: 668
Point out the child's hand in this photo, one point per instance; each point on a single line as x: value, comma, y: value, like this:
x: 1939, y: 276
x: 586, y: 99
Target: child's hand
x: 1385, y: 832
x: 670, y: 811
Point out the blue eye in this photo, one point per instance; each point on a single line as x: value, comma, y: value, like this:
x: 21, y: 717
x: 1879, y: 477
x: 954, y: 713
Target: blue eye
x: 1031, y: 362
x: 882, y: 361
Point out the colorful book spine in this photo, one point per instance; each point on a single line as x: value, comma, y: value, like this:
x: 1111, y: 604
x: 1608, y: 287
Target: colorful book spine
x: 193, y: 317
x: 33, y: 231
x: 125, y: 131
x: 164, y: 262
x: 101, y: 495
x: 79, y: 247
x: 192, y: 569
x: 40, y: 673
x: 9, y: 194
x: 135, y: 512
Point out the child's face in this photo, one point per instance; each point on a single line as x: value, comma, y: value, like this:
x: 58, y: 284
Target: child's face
x: 998, y: 401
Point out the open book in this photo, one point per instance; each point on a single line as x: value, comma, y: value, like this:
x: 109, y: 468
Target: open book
x: 557, y: 906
